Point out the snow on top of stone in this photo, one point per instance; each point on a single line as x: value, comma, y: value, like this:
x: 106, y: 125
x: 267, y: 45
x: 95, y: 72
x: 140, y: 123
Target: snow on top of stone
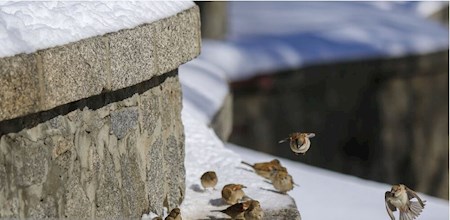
x: 26, y: 27
x: 266, y: 37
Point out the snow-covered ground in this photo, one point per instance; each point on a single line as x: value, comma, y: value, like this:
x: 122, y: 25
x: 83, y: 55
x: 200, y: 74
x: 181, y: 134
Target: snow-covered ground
x: 27, y: 26
x: 273, y: 36
x: 264, y: 37
x: 325, y: 194
x: 205, y: 152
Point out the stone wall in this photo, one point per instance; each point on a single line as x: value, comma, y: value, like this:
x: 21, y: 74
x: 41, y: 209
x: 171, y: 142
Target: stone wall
x: 385, y: 120
x: 92, y: 129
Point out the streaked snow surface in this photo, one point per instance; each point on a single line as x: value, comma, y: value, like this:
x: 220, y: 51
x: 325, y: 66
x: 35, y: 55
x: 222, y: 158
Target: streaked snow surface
x: 29, y: 26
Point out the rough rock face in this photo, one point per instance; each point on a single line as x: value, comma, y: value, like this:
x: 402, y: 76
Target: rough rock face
x: 81, y: 161
x: 92, y: 129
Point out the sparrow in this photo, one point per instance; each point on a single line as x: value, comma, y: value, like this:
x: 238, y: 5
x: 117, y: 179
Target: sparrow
x: 232, y: 193
x: 236, y: 211
x: 266, y: 169
x: 283, y: 182
x: 209, y: 179
x: 175, y: 214
x: 254, y: 211
x: 299, y: 142
x: 399, y: 198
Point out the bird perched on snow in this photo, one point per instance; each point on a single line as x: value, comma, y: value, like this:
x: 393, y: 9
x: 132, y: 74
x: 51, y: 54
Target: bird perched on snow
x: 267, y: 169
x: 232, y: 193
x: 175, y: 214
x: 209, y: 179
x: 399, y: 198
x: 299, y: 142
x: 283, y: 182
x: 254, y: 211
x: 236, y: 211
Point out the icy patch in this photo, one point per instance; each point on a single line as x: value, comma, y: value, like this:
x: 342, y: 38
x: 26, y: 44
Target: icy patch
x: 26, y: 27
x: 205, y: 152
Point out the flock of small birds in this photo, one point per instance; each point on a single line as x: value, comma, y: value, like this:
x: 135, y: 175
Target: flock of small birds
x: 243, y: 207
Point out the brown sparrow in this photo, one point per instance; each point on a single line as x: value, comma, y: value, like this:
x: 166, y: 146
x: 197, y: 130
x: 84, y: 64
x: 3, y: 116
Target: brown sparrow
x: 266, y: 169
x: 399, y: 198
x: 232, y: 193
x: 283, y: 182
x: 175, y: 214
x: 237, y: 210
x: 209, y: 179
x: 254, y: 211
x: 299, y: 142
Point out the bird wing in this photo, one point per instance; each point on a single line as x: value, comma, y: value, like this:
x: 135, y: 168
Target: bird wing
x: 389, y: 207
x: 412, y: 194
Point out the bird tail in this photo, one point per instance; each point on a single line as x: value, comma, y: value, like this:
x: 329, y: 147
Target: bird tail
x: 246, y: 163
x: 284, y: 140
x: 413, y: 212
x: 223, y: 211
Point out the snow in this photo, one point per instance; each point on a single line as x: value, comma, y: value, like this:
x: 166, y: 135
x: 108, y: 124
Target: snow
x: 272, y: 36
x: 205, y: 152
x: 26, y: 27
x: 203, y: 98
x: 325, y: 194
x: 264, y: 37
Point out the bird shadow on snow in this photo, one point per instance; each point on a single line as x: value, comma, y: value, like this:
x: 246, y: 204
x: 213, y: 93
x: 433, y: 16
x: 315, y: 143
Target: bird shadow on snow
x: 271, y: 190
x: 196, y: 188
x: 267, y: 181
x: 217, y: 202
x: 210, y: 217
x: 246, y: 169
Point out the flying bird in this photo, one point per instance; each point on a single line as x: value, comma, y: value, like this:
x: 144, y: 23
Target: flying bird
x: 299, y: 142
x: 399, y: 198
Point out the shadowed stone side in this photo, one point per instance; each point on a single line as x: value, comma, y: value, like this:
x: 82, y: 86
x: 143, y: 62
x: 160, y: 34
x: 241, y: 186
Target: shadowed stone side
x: 97, y: 158
x: 52, y: 77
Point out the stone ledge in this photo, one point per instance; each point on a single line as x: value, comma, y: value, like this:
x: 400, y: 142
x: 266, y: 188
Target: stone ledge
x: 52, y: 77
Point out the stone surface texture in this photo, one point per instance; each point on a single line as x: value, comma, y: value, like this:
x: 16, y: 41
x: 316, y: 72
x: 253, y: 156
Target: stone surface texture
x: 52, y: 77
x: 93, y: 129
x: 98, y: 163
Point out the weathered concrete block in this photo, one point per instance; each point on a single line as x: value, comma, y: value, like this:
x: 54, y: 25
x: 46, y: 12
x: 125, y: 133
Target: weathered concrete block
x: 18, y: 85
x: 132, y: 56
x: 172, y: 37
x: 97, y: 163
x: 123, y: 121
x: 155, y: 176
x: 67, y: 73
x: 73, y: 72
